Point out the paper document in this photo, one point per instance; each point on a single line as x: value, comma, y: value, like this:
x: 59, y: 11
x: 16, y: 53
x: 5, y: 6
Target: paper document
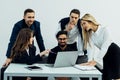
x: 85, y: 67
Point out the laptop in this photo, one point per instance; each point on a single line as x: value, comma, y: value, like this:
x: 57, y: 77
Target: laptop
x: 65, y: 59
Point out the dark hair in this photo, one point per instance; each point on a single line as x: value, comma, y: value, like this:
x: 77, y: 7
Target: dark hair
x: 22, y: 41
x: 76, y: 11
x: 28, y: 11
x: 60, y: 33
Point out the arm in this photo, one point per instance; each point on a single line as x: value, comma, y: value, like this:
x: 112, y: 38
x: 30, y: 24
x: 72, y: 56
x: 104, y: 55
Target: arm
x: 31, y: 58
x: 52, y: 55
x: 51, y: 58
x: 14, y: 34
x: 39, y: 37
x: 36, y: 58
x: 105, y: 43
x: 101, y: 46
x: 24, y: 58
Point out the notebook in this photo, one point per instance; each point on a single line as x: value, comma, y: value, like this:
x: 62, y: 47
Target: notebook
x: 65, y: 59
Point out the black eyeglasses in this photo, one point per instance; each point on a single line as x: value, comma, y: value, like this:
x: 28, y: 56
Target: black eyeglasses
x: 62, y: 38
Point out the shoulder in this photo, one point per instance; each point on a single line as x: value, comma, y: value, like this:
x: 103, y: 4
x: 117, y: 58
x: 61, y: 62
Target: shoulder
x: 18, y: 26
x: 66, y: 19
x: 36, y: 22
x: 102, y: 29
x: 72, y: 47
x: 20, y: 22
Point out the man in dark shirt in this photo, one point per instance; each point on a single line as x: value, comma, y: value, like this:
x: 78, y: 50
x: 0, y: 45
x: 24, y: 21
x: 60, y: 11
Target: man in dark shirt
x: 27, y: 22
x: 61, y: 37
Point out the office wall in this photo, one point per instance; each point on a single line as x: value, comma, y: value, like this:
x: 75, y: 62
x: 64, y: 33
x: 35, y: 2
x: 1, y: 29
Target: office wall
x: 49, y: 12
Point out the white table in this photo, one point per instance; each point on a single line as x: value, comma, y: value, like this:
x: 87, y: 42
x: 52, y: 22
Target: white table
x: 20, y: 70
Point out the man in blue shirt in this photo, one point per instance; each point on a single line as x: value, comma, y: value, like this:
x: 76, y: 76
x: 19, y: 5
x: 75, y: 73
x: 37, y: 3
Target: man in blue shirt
x: 28, y: 21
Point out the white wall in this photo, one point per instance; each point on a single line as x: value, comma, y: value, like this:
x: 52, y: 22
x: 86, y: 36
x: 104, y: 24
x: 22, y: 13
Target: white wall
x: 49, y: 12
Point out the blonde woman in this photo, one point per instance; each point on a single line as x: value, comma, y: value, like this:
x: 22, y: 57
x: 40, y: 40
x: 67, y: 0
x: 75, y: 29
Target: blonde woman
x: 96, y: 36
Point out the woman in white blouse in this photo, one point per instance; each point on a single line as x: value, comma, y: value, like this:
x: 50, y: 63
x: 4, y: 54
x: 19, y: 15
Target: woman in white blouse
x: 95, y: 36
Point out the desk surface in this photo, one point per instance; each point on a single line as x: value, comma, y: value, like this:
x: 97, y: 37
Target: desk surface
x: 20, y: 70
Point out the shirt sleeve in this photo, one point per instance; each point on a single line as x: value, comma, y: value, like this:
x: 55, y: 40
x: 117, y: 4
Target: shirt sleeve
x: 90, y: 51
x: 96, y: 51
x: 13, y: 36
x: 39, y: 37
x: 105, y: 45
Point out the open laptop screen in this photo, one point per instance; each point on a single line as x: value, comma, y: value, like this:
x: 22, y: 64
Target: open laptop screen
x: 66, y: 58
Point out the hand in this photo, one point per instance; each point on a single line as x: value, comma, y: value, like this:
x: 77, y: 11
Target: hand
x: 7, y: 62
x: 69, y: 26
x: 44, y: 52
x: 28, y: 78
x: 90, y: 63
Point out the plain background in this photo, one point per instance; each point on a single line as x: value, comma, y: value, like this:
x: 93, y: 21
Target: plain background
x: 49, y: 12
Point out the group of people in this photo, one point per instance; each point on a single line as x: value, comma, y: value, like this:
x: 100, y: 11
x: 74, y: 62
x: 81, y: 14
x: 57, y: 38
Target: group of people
x: 74, y: 34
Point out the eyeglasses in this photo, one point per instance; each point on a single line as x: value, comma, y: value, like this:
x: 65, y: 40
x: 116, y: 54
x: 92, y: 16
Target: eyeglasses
x: 62, y: 39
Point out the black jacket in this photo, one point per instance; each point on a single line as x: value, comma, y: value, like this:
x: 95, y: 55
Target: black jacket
x: 66, y: 20
x: 27, y: 59
x: 20, y: 25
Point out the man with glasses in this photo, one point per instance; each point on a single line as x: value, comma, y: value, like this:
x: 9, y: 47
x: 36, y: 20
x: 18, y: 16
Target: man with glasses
x: 62, y: 39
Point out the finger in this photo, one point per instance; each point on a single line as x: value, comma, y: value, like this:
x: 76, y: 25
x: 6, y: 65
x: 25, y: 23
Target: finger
x: 4, y: 65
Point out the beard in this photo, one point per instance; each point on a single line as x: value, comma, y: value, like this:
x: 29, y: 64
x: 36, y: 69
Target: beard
x: 62, y: 45
x: 29, y: 23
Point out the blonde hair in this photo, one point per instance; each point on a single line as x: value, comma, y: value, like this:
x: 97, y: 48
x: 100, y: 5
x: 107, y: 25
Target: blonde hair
x: 87, y: 34
x: 90, y: 18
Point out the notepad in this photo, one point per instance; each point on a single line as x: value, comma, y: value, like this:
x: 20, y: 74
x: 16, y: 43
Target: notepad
x: 85, y: 68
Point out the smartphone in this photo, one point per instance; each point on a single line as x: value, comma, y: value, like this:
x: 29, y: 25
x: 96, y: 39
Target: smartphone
x: 34, y: 68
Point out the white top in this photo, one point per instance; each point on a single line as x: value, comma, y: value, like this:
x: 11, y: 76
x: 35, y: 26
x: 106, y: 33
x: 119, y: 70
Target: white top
x: 27, y: 51
x: 99, y: 40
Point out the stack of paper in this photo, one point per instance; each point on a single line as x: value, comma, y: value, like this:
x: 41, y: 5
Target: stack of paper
x: 85, y: 67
